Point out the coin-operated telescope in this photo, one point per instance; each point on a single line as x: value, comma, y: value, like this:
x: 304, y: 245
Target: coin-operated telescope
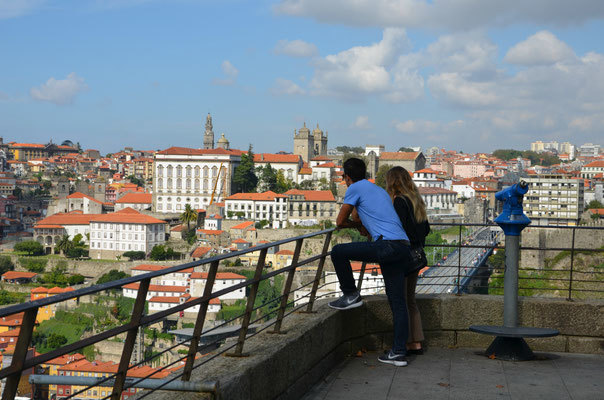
x: 512, y: 219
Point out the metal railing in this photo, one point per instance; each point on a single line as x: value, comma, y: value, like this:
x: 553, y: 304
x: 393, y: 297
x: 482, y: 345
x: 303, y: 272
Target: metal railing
x: 561, y: 279
x: 459, y: 279
x: 20, y: 361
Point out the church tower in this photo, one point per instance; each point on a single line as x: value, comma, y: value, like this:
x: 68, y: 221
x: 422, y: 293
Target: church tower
x: 208, y: 136
x: 303, y: 143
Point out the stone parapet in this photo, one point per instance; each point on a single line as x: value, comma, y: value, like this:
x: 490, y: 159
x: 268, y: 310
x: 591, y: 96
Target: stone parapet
x: 284, y: 366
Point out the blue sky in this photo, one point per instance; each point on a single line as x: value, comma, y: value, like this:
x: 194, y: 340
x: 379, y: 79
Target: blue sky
x: 470, y: 75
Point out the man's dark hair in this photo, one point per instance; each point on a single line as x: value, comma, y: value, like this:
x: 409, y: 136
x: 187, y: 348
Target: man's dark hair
x: 355, y: 169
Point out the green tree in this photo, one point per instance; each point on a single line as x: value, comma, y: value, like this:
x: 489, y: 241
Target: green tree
x: 406, y: 149
x: 137, y: 181
x: 245, y: 176
x: 6, y: 264
x: 158, y: 253
x: 134, y: 255
x: 111, y: 276
x: 283, y: 185
x: 380, y: 177
x: 189, y: 215
x: 268, y: 177
x: 64, y: 244
x: 594, y: 204
x: 31, y: 247
x: 76, y: 279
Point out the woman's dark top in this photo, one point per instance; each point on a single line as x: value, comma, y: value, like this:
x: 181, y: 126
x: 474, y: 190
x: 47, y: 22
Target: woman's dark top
x: 416, y: 232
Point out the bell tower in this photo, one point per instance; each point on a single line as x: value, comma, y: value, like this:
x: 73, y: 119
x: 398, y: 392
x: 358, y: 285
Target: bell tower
x: 208, y: 136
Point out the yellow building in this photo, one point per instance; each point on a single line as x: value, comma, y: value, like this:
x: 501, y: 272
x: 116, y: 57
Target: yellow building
x: 46, y: 312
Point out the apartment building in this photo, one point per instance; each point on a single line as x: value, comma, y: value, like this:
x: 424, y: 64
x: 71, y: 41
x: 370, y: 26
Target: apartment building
x: 554, y: 200
x: 184, y: 176
x: 592, y: 169
x: 438, y: 199
x: 135, y: 200
x: 112, y: 235
x: 308, y: 207
x: 288, y: 164
x: 268, y: 206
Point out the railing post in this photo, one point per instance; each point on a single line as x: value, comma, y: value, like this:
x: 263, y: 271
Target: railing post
x: 250, y: 305
x: 287, y: 287
x: 201, y: 316
x: 459, y: 260
x: 20, y: 353
x: 315, y: 285
x: 572, y: 263
x: 137, y: 313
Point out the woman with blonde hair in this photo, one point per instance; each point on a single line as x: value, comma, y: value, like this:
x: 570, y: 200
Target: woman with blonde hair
x: 411, y: 210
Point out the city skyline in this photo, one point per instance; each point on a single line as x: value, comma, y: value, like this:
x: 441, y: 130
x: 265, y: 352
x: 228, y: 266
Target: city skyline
x: 145, y: 74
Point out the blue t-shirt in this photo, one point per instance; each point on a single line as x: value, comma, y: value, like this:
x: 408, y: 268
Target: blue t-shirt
x: 375, y: 210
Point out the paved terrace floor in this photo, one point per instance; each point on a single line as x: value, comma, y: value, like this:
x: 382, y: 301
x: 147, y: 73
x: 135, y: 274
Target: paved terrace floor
x: 465, y: 374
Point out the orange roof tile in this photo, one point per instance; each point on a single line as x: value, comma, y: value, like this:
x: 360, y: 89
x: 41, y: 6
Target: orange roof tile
x: 276, y: 158
x: 210, y: 231
x: 243, y: 225
x: 219, y: 275
x: 127, y: 216
x: 313, y: 195
x: 18, y: 275
x: 399, y: 155
x: 63, y: 219
x: 266, y: 196
x: 149, y: 267
x: 188, y: 151
x: 39, y: 290
x: 201, y: 251
x: 285, y: 252
x: 78, y: 195
x: 135, y: 198
x: 240, y: 241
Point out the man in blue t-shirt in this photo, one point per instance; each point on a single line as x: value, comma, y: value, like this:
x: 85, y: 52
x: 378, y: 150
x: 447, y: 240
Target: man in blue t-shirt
x: 389, y: 247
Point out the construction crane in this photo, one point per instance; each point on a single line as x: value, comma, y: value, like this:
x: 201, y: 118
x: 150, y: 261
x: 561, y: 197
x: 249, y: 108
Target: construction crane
x: 216, y: 183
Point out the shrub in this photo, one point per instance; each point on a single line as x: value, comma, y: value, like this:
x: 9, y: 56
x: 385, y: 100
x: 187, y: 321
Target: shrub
x: 112, y: 275
x: 135, y: 255
x: 6, y: 264
x: 77, y: 252
x: 37, y: 265
x: 31, y: 247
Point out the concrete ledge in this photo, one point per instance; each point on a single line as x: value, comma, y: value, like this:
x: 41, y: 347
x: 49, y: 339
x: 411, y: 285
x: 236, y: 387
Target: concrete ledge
x: 284, y: 366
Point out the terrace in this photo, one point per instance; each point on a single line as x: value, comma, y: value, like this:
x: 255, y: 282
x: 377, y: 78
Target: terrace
x: 301, y: 341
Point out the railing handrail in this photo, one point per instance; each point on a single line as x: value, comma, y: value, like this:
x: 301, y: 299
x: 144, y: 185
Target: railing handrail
x: 18, y: 308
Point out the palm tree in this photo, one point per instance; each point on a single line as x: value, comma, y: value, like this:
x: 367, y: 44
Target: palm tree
x: 188, y: 216
x: 64, y: 244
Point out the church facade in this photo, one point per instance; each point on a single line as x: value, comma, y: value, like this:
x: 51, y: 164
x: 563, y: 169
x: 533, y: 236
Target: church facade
x: 309, y: 145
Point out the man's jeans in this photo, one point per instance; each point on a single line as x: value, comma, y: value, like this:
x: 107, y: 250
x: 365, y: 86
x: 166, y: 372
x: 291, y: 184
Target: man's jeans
x: 391, y: 255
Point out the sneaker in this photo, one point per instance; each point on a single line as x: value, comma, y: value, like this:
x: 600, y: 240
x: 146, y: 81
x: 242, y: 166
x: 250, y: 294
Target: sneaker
x: 397, y: 360
x: 347, y: 301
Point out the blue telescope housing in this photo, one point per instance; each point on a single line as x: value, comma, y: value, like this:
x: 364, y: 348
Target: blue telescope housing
x: 512, y: 219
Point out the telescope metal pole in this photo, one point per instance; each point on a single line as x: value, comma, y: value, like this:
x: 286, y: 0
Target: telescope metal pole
x: 510, y: 281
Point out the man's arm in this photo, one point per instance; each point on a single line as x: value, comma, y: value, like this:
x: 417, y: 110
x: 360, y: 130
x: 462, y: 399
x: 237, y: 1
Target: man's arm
x: 343, y: 220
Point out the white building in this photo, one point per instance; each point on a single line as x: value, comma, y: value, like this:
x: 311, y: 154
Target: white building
x: 223, y: 280
x: 135, y: 200
x: 146, y: 268
x: 126, y: 230
x: 289, y: 164
x: 268, y: 206
x: 190, y: 176
x: 377, y: 149
x: 373, y: 281
x: 554, y: 200
x: 161, y: 303
x: 131, y: 290
x: 427, y: 178
x: 50, y: 230
x: 438, y: 199
x: 592, y: 169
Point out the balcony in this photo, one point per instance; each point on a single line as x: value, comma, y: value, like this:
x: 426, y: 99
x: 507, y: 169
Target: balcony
x: 284, y: 352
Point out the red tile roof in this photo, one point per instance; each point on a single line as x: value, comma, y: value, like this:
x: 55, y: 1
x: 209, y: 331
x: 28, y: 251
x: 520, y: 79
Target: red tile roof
x: 188, y: 151
x: 78, y: 195
x: 127, y: 216
x: 210, y: 231
x: 313, y: 195
x: 243, y: 225
x: 18, y: 275
x: 276, y: 158
x: 266, y: 196
x: 399, y: 155
x: 285, y: 252
x: 63, y: 219
x: 201, y: 251
x: 240, y: 241
x: 595, y: 164
x: 135, y: 198
x: 219, y: 275
x: 149, y: 267
x: 326, y: 165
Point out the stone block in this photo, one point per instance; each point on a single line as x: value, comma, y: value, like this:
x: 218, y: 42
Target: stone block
x: 588, y: 345
x: 379, y: 316
x: 439, y: 338
x: 370, y: 342
x: 584, y: 318
x: 459, y: 312
x: 430, y: 309
x: 554, y: 343
x: 473, y: 340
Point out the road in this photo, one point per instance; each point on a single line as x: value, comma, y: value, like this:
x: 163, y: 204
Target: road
x: 442, y: 277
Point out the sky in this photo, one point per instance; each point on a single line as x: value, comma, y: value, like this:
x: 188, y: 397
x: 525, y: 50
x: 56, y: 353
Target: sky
x: 466, y: 75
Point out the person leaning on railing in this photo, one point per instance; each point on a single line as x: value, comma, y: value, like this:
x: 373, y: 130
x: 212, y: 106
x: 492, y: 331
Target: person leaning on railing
x: 389, y: 248
x: 411, y: 210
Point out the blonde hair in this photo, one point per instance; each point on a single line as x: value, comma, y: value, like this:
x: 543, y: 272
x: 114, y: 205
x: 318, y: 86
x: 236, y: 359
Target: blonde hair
x: 399, y: 183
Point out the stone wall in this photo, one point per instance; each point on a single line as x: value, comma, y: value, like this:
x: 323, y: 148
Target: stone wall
x: 285, y: 366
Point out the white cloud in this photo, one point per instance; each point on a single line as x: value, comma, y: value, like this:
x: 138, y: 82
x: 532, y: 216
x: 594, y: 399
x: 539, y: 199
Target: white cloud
x: 230, y: 73
x: 17, y: 8
x: 453, y: 88
x: 296, y: 48
x: 59, y: 91
x: 286, y: 87
x: 361, y: 123
x: 542, y: 48
x: 377, y: 69
x: 444, y: 14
